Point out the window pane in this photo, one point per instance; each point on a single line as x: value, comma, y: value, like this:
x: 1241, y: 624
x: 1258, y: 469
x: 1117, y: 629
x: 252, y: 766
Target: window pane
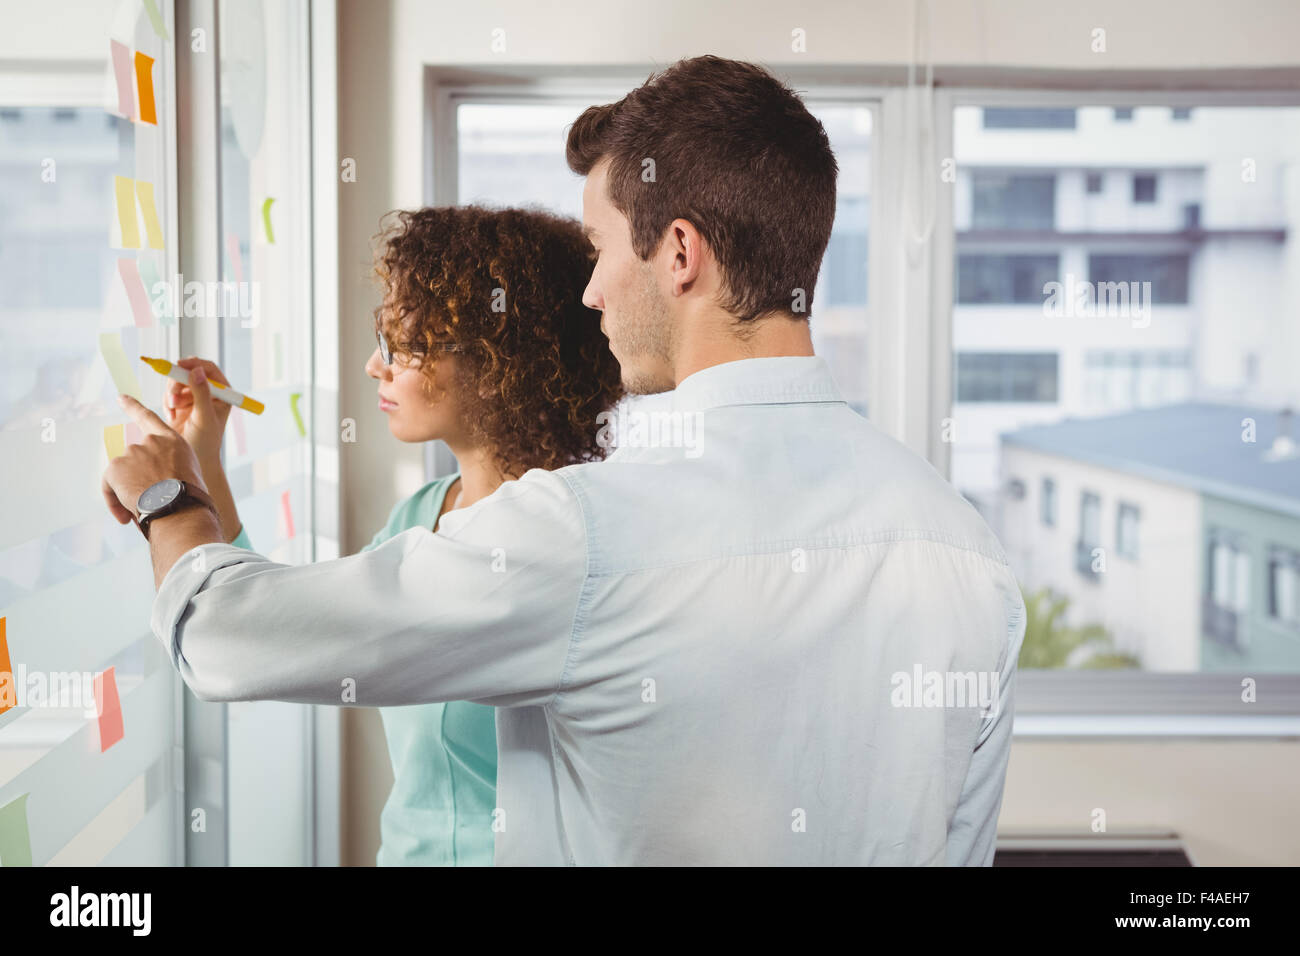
x: 1008, y: 201
x: 1173, y: 323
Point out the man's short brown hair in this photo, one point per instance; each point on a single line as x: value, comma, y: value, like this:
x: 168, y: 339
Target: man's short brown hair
x: 737, y: 154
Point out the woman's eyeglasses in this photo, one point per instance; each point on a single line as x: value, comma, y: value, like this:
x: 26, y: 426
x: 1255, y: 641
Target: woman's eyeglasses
x: 386, y: 352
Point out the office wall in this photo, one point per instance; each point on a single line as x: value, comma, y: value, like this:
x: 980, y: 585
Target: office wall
x: 384, y: 48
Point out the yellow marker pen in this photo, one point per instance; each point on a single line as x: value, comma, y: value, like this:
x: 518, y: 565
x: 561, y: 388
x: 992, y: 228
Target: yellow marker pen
x: 223, y: 392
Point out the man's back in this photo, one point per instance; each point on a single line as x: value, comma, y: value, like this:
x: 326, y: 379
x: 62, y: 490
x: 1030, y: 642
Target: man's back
x: 789, y: 640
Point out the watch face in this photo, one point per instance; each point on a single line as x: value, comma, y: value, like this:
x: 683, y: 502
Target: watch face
x: 159, y: 495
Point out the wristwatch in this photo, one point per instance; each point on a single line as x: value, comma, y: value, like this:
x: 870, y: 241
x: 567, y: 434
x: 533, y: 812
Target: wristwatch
x: 167, y: 496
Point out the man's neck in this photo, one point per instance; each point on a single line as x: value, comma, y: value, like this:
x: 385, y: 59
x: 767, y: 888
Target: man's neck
x: 715, y: 342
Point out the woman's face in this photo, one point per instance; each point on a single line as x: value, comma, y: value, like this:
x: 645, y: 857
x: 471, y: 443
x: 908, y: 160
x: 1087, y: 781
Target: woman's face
x: 412, y: 415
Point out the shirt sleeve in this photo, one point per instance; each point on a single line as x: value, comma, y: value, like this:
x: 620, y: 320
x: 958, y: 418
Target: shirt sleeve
x: 972, y: 835
x: 481, y: 611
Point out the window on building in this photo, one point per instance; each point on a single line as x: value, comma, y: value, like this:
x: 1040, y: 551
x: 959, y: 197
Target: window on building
x: 1094, y: 182
x: 1284, y: 586
x: 1047, y: 503
x: 1126, y: 531
x: 1167, y: 274
x: 1032, y: 118
x: 1182, y: 112
x: 1144, y: 188
x: 994, y: 279
x: 1007, y: 376
x: 1012, y: 201
x: 1123, y: 114
x: 1229, y: 572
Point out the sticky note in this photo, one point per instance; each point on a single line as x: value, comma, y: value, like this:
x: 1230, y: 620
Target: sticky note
x: 114, y: 441
x: 266, y: 220
x: 240, y: 447
x: 144, y: 83
x: 15, y: 842
x: 233, y: 256
x: 122, y: 72
x: 110, y: 346
x: 155, y: 18
x: 8, y: 693
x: 130, y: 273
x: 288, y: 513
x: 297, y: 416
x: 110, y: 709
x: 145, y: 191
x: 124, y: 190
x: 132, y: 434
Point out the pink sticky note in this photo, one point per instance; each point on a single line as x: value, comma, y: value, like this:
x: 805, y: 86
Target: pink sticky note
x: 110, y: 709
x: 232, y: 253
x: 130, y: 274
x: 133, y: 434
x: 238, y: 422
x: 122, y: 71
x: 288, y: 512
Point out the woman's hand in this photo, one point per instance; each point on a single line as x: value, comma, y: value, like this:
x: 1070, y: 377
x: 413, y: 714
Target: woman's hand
x: 202, y: 427
x: 203, y: 431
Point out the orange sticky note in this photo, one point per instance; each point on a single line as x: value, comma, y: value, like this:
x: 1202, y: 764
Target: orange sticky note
x: 135, y: 294
x: 8, y: 693
x: 151, y: 227
x: 144, y: 82
x: 288, y: 512
x: 122, y: 73
x: 124, y: 190
x: 110, y: 709
x: 114, y: 442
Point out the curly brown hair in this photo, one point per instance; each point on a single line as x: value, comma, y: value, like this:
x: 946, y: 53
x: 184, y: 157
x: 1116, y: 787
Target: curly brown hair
x: 505, y: 287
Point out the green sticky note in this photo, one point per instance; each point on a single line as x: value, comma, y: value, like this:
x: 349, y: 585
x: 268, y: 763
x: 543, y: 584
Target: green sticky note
x: 266, y: 220
x: 155, y: 18
x: 160, y: 302
x: 15, y: 842
x: 293, y: 404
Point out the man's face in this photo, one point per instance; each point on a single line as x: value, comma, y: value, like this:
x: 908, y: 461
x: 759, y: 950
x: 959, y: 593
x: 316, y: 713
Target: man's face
x: 635, y: 314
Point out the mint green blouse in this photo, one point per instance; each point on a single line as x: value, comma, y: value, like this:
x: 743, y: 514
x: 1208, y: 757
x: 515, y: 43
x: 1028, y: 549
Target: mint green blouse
x: 444, y: 756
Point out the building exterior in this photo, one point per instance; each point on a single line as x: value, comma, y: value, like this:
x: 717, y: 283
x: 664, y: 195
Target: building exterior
x: 1177, y: 528
x: 1114, y: 259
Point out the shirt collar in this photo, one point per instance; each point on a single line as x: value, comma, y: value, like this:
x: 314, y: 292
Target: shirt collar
x: 783, y: 379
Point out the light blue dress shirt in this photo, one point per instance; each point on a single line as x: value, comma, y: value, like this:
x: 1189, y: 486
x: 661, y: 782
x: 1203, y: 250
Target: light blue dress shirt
x: 439, y: 811
x: 753, y: 636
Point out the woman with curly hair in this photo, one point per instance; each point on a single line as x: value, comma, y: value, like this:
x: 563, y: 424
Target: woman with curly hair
x: 484, y: 343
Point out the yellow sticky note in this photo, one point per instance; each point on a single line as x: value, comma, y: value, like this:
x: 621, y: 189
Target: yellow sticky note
x: 145, y: 191
x: 114, y: 441
x: 119, y: 366
x: 297, y: 416
x: 123, y: 188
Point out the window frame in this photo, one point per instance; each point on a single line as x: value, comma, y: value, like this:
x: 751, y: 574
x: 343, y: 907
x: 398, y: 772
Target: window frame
x: 1081, y: 704
x: 909, y: 339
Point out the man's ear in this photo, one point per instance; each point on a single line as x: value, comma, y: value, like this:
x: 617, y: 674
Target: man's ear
x: 688, y: 250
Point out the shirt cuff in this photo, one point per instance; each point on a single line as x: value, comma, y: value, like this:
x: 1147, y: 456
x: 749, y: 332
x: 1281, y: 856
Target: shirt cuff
x: 186, y: 578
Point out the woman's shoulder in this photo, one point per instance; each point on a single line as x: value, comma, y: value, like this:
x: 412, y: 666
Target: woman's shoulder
x: 423, y: 504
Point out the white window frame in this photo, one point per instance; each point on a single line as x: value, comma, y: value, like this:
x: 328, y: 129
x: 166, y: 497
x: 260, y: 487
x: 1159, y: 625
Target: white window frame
x: 1091, y: 704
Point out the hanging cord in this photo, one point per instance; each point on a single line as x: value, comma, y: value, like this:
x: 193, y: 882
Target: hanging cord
x: 918, y: 140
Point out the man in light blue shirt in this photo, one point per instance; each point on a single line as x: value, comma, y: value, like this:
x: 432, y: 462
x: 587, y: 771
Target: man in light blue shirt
x: 760, y: 632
